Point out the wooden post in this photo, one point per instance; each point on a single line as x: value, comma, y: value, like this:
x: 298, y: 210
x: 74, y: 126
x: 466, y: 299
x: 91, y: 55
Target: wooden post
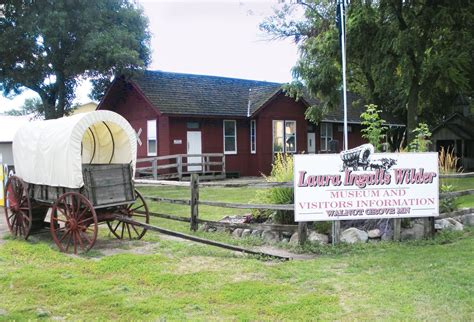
x: 223, y: 165
x: 336, y: 232
x: 428, y: 223
x: 154, y: 169
x: 194, y: 201
x: 302, y: 232
x: 179, y: 162
x: 397, y: 227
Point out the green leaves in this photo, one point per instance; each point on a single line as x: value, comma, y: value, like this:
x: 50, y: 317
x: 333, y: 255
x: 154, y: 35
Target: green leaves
x: 411, y: 58
x: 47, y: 46
x: 373, y: 126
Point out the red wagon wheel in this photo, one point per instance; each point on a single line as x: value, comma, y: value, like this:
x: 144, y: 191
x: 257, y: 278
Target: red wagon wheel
x: 18, y: 207
x: 137, y: 211
x: 73, y: 223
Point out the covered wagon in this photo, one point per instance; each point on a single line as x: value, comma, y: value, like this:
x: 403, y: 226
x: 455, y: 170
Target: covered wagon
x: 82, y: 168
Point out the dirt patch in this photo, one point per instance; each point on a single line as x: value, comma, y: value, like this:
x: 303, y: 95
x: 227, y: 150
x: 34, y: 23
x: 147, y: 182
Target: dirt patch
x: 283, y: 252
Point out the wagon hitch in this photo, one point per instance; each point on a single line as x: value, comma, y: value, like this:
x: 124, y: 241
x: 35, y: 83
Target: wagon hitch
x: 198, y: 239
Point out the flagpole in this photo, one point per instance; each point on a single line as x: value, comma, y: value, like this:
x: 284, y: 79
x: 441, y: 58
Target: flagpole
x: 342, y: 12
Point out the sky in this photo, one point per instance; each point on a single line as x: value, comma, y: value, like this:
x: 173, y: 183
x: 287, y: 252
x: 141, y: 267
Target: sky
x: 213, y: 37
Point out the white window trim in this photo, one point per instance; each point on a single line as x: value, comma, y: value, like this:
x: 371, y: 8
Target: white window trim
x: 152, y: 138
x: 252, y: 150
x: 284, y: 136
x: 326, y: 135
x: 235, y: 137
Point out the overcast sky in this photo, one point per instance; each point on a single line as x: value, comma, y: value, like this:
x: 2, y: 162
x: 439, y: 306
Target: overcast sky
x: 213, y: 37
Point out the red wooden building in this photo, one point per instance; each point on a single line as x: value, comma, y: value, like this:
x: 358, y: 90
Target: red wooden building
x: 249, y: 121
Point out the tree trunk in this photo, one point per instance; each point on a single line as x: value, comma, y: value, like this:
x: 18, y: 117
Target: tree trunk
x: 412, y: 110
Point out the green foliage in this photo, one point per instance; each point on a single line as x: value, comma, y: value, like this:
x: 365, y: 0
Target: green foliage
x: 49, y: 46
x: 421, y: 140
x: 447, y: 204
x: 397, y: 57
x: 373, y: 126
x: 282, y: 171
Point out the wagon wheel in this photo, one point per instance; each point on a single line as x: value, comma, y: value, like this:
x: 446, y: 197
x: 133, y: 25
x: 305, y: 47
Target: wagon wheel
x: 137, y: 211
x: 73, y: 223
x: 18, y: 207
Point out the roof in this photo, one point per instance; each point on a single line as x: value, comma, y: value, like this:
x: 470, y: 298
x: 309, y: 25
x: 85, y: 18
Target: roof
x: 187, y: 94
x: 465, y: 129
x: 201, y: 95
x: 10, y: 124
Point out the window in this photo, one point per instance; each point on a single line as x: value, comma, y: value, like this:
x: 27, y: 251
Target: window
x: 326, y: 135
x: 290, y: 136
x: 253, y: 136
x: 230, y: 137
x: 151, y: 137
x: 284, y: 136
x: 192, y: 125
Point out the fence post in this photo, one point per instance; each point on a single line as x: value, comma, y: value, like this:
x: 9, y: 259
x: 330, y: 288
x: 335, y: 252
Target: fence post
x: 302, y: 233
x: 397, y: 227
x: 223, y: 165
x: 154, y: 169
x: 336, y: 232
x: 194, y: 201
x: 179, y: 161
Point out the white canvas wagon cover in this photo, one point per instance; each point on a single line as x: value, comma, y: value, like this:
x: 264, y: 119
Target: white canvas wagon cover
x: 52, y: 152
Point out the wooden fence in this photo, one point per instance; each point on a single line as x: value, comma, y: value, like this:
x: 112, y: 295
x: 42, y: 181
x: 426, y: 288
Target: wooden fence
x: 181, y: 166
x: 301, y: 228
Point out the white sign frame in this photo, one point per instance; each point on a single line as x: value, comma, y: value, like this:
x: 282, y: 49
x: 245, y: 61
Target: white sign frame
x: 397, y: 185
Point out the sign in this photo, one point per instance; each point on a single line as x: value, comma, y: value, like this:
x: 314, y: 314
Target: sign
x: 359, y: 184
x: 177, y: 141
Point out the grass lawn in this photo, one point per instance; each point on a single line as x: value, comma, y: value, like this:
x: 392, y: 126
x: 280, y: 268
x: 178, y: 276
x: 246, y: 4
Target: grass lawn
x: 180, y: 280
x: 176, y: 280
x: 462, y: 184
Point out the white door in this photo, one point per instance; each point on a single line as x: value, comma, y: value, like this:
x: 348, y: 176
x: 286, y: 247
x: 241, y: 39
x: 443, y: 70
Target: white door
x: 194, y: 147
x: 311, y: 142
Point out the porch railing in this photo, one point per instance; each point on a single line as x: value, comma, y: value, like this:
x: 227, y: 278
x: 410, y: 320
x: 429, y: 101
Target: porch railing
x: 181, y: 166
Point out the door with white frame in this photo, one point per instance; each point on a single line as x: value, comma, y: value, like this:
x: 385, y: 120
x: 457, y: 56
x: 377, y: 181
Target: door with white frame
x: 311, y: 142
x: 194, y: 147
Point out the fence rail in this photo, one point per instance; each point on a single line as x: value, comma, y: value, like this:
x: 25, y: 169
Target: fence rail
x: 179, y: 166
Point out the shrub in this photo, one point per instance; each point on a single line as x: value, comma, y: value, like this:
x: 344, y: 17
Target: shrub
x: 421, y: 141
x: 373, y: 126
x: 447, y: 204
x: 282, y: 171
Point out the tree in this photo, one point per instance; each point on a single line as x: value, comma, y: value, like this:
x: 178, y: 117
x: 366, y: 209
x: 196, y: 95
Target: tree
x: 412, y: 58
x: 30, y: 106
x: 48, y: 46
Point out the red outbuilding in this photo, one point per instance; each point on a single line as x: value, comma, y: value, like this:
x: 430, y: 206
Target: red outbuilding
x: 249, y: 121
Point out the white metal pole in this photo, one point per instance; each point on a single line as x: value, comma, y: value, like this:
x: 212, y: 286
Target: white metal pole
x: 344, y: 88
